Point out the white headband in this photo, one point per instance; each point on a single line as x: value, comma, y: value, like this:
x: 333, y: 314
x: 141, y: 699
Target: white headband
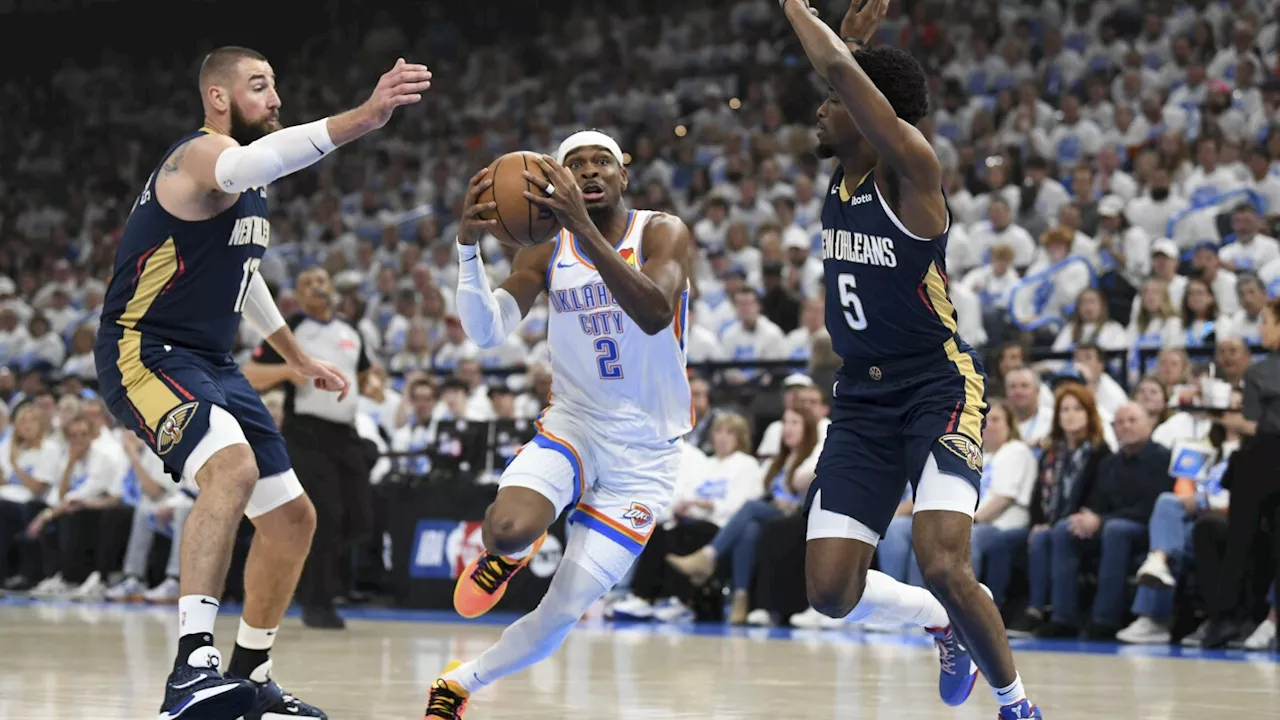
x: 588, y: 138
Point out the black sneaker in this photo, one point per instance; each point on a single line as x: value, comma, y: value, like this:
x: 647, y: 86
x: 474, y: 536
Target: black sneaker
x: 202, y: 693
x: 323, y: 618
x: 274, y: 702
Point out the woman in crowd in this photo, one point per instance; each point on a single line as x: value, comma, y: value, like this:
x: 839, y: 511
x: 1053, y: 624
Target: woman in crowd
x: 27, y: 458
x: 1154, y: 398
x: 786, y: 480
x: 1155, y: 325
x: 1199, y: 314
x: 1069, y: 461
x: 1090, y: 323
x: 1003, y: 517
x: 704, y: 502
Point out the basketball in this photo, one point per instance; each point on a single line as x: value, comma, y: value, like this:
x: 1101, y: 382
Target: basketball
x: 520, y: 222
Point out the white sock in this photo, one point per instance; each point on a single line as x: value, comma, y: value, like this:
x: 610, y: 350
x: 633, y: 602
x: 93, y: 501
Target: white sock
x: 252, y: 638
x: 1011, y: 695
x: 196, y: 614
x: 536, y: 635
x: 887, y: 601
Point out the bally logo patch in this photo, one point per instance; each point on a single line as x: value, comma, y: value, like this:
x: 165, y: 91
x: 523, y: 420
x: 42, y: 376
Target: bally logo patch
x: 964, y: 448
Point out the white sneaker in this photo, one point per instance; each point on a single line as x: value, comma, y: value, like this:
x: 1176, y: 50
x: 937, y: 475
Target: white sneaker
x: 164, y: 593
x: 91, y: 589
x: 759, y: 618
x: 1144, y: 631
x: 630, y: 608
x: 1196, y: 638
x: 1154, y: 572
x: 129, y: 589
x: 1263, y: 637
x: 672, y: 610
x: 813, y: 620
x: 52, y: 586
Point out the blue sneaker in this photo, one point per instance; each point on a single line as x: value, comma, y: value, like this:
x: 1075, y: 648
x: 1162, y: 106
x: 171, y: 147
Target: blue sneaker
x: 273, y: 702
x: 959, y: 674
x: 1020, y: 711
x: 202, y: 693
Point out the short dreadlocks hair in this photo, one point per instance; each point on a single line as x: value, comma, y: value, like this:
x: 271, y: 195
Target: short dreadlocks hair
x: 899, y: 77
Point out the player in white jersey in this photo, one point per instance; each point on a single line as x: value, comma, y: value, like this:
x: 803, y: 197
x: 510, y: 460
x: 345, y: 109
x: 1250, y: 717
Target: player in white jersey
x: 608, y: 446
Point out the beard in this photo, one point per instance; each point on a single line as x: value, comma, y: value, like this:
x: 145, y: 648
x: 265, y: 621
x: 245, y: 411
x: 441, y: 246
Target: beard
x: 824, y: 151
x: 245, y: 132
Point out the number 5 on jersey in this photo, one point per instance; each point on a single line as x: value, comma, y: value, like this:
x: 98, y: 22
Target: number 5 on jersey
x: 849, y: 301
x: 607, y: 359
x: 250, y: 267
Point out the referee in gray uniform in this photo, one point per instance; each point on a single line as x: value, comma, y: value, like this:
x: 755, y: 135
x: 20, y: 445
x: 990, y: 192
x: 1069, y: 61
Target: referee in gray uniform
x: 331, y: 460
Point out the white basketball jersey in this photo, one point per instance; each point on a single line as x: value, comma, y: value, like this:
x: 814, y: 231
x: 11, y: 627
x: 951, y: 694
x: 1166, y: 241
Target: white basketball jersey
x: 604, y: 368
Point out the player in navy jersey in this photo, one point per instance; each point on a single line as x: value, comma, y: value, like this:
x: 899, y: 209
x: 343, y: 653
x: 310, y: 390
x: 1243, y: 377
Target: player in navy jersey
x: 910, y: 400
x: 185, y: 272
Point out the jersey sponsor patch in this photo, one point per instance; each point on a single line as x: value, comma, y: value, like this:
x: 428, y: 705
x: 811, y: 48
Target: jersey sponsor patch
x: 639, y: 515
x: 964, y: 448
x: 629, y: 255
x: 169, y: 434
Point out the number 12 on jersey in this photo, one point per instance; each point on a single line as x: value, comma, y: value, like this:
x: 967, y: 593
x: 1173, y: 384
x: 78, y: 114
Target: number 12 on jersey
x: 853, y: 313
x: 607, y: 359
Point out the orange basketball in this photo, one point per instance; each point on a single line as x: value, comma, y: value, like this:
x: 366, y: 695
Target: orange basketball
x: 520, y: 222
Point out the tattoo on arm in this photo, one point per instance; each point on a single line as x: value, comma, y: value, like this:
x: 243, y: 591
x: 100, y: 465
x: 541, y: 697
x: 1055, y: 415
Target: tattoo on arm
x: 174, y: 161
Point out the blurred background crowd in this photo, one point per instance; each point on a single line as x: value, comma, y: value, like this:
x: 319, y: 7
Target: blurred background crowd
x: 1113, y: 170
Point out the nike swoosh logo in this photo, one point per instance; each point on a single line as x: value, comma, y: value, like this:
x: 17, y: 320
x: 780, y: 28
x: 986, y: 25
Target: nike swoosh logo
x: 185, y: 685
x: 270, y: 633
x: 208, y: 602
x: 562, y: 266
x: 317, y: 147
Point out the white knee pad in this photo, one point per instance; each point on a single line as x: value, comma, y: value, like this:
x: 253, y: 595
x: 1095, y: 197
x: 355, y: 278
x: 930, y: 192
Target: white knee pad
x: 940, y: 491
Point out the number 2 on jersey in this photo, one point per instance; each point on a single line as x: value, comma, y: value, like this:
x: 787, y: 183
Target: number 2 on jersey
x: 607, y: 359
x: 250, y: 267
x: 853, y: 313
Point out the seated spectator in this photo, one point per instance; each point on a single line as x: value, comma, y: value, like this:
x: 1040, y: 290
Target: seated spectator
x: 1154, y: 398
x: 1169, y: 538
x: 417, y: 437
x: 92, y: 526
x: 704, y: 501
x: 1251, y: 250
x: 159, y: 508
x: 1002, y: 520
x: 1033, y: 417
x: 1244, y: 322
x: 1112, y: 521
x: 1088, y: 360
x: 1070, y: 455
x: 786, y: 480
x: 1156, y: 325
x: 28, y: 461
x: 1090, y: 323
x: 1199, y: 314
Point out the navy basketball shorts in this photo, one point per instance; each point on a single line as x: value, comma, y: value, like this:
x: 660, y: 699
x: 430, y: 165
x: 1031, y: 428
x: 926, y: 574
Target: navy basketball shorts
x: 916, y: 421
x: 186, y: 407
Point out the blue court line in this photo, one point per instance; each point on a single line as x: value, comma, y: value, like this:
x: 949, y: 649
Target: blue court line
x: 502, y: 619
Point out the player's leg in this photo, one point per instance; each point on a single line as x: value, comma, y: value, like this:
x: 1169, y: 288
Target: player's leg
x: 547, y: 476
x: 284, y: 521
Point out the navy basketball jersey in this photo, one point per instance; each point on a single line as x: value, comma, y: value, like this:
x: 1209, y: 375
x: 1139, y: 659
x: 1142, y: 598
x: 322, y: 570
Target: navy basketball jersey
x: 184, y: 283
x: 886, y: 288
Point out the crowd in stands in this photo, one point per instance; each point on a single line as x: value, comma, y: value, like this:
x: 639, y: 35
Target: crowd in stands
x: 1113, y: 171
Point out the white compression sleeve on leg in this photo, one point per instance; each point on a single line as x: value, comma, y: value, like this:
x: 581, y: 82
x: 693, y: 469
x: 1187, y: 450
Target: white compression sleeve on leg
x: 886, y: 601
x: 487, y: 316
x: 273, y: 156
x: 535, y: 636
x: 260, y: 308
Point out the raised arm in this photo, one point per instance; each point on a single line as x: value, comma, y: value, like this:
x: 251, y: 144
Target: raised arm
x: 898, y: 142
x: 490, y: 316
x: 217, y: 163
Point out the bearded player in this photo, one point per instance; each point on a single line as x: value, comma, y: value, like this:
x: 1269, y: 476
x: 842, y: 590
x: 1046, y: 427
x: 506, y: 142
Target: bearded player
x: 910, y: 400
x: 185, y: 272
x: 608, y: 446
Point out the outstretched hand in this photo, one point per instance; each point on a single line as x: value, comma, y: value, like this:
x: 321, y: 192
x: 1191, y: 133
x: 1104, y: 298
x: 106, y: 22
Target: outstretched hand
x: 560, y: 194
x: 861, y: 24
x: 325, y: 375
x: 401, y: 85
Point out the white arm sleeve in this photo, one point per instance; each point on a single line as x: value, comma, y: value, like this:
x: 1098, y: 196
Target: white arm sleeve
x: 260, y: 308
x: 272, y: 157
x: 488, y: 317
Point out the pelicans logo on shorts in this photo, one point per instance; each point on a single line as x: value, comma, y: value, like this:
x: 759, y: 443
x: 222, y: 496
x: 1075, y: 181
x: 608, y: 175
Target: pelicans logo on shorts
x: 639, y: 515
x: 964, y: 448
x: 169, y: 433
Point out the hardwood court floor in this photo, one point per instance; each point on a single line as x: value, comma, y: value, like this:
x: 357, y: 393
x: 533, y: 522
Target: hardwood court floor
x: 78, y: 662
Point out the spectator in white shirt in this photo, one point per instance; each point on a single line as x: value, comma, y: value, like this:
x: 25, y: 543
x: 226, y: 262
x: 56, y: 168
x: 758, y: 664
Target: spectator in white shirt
x: 1050, y: 195
x: 13, y: 336
x: 455, y: 348
x: 1000, y: 230
x: 812, y: 321
x: 28, y: 464
x: 418, y: 435
x: 1262, y: 181
x: 752, y: 336
x: 1200, y: 313
x: 1205, y: 260
x: 993, y: 283
x: 43, y: 348
x: 1121, y: 248
x: 802, y: 273
x: 1074, y: 138
x: 1091, y: 324
x: 1004, y: 506
x: 1152, y: 210
x: 1251, y: 249
x: 1244, y: 322
x: 1156, y: 324
x: 711, y: 229
x: 416, y: 355
x: 701, y: 344
x: 1208, y: 179
x: 1022, y: 390
x: 1065, y: 282
x: 1110, y: 179
x: 81, y: 363
x: 1223, y: 65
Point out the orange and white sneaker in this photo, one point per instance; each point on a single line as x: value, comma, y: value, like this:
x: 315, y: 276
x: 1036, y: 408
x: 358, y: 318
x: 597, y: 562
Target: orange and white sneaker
x: 447, y: 699
x: 484, y: 581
